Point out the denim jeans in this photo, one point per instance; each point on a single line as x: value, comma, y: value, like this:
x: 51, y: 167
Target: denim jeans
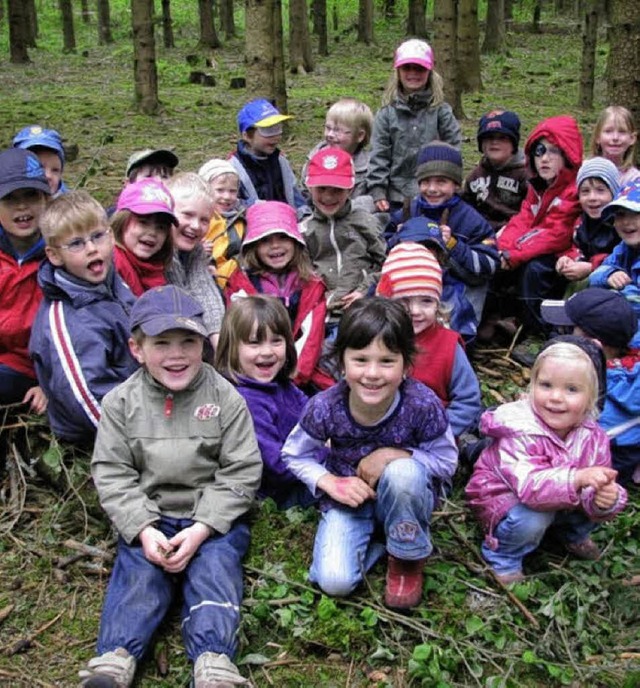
x: 140, y: 593
x: 343, y: 550
x: 520, y: 532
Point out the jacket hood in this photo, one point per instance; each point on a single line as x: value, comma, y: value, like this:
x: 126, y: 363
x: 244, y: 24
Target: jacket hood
x: 58, y: 284
x: 563, y: 132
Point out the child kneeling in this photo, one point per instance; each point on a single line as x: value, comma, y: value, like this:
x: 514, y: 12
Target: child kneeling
x: 176, y: 465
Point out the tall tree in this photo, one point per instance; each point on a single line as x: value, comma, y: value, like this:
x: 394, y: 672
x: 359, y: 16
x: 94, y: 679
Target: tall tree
x: 167, y: 25
x: 320, y: 25
x: 494, y: 33
x: 104, y: 23
x: 279, y: 77
x: 365, y: 21
x: 145, y: 73
x: 623, y: 65
x: 227, y: 20
x: 84, y: 11
x: 68, y: 34
x: 208, y: 35
x: 31, y: 22
x: 468, y: 57
x: 300, y: 56
x: 17, y: 32
x: 588, y: 63
x: 445, y: 46
x: 416, y: 18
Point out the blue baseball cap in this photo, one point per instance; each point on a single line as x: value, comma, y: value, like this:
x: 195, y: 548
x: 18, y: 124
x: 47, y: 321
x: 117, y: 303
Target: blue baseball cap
x: 35, y: 136
x: 628, y: 198
x: 21, y: 169
x: 422, y: 231
x: 259, y: 113
x: 167, y: 308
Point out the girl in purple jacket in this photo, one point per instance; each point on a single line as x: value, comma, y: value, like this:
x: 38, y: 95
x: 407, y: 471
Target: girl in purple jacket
x: 548, y: 465
x: 256, y: 352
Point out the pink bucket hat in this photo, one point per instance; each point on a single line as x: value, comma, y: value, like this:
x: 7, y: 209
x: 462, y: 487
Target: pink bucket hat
x: 271, y: 217
x: 414, y: 51
x: 147, y: 197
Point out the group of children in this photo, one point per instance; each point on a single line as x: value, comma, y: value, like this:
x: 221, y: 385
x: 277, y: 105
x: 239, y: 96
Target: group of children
x: 231, y: 334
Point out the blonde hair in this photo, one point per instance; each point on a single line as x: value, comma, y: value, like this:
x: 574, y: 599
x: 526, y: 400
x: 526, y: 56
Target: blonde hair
x: 71, y: 213
x: 394, y: 90
x: 569, y: 352
x: 355, y: 115
x: 263, y: 312
x: 189, y: 184
x: 119, y: 223
x: 300, y: 262
x: 622, y: 118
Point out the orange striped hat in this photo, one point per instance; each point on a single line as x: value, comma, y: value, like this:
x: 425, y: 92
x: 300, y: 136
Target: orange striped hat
x: 410, y: 270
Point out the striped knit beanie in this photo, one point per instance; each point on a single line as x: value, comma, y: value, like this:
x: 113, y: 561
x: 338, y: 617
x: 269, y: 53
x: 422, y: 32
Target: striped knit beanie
x: 439, y: 159
x: 410, y: 270
x: 600, y: 168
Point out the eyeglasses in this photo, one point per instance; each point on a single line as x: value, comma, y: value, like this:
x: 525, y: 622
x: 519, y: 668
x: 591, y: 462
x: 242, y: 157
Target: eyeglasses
x: 338, y: 131
x: 76, y: 245
x: 541, y: 149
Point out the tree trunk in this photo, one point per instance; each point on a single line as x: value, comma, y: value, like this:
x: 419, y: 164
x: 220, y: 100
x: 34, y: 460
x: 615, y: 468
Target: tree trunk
x: 468, y: 55
x: 445, y: 46
x: 508, y: 10
x: 17, y: 32
x: 300, y: 57
x: 31, y: 22
x: 279, y: 77
x: 104, y: 23
x: 623, y: 65
x: 167, y: 25
x: 389, y: 8
x: 144, y: 56
x: 227, y: 21
x: 68, y: 34
x: 588, y: 63
x: 208, y: 36
x: 319, y: 10
x: 535, y: 21
x: 365, y: 22
x: 335, y: 15
x: 494, y: 34
x: 416, y: 18
x: 84, y: 11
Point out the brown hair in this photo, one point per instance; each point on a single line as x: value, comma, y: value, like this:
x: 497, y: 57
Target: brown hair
x: 622, y: 117
x: 300, y: 263
x: 119, y: 223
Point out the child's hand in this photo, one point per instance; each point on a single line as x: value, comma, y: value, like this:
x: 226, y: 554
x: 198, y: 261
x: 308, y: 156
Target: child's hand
x: 382, y: 206
x: 445, y: 230
x: 347, y: 300
x: 619, y: 280
x: 606, y: 496
x: 207, y: 245
x: 562, y: 263
x: 36, y: 399
x: 155, y: 546
x: 185, y: 544
x: 594, y: 476
x: 351, y: 491
x: 370, y: 468
x: 576, y: 270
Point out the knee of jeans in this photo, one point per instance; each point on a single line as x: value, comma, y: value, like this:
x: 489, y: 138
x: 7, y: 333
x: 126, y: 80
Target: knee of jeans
x: 532, y: 527
x: 405, y: 475
x: 336, y: 585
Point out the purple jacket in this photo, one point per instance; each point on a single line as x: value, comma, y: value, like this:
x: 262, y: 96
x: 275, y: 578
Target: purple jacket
x: 529, y: 464
x: 275, y: 407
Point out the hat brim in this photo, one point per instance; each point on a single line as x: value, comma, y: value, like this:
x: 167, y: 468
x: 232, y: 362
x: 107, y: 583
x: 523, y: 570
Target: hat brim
x: 413, y: 60
x: 554, y: 312
x: 42, y: 142
x: 271, y: 120
x: 271, y: 232
x: 163, y: 323
x: 161, y: 155
x: 622, y: 204
x: 10, y: 187
x: 150, y: 209
x: 330, y: 180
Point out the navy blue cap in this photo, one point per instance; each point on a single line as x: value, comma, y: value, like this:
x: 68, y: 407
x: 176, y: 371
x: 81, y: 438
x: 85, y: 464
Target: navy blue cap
x: 21, y: 169
x: 35, y: 136
x: 167, y: 308
x: 422, y: 231
x: 499, y: 122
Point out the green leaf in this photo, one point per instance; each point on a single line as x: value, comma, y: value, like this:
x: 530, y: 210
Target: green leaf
x: 52, y: 458
x: 529, y: 657
x: 369, y: 617
x: 473, y: 624
x: 254, y: 658
x: 421, y: 653
x: 326, y: 608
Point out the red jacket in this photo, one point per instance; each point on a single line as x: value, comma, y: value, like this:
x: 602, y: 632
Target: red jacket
x: 308, y: 329
x: 548, y: 214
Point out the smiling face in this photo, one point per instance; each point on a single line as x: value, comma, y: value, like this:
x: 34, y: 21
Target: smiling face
x: 627, y: 224
x: 145, y: 235
x: 329, y: 199
x: 437, y: 190
x: 262, y: 359
x: 93, y: 259
x: 20, y: 213
x: 276, y: 251
x: 337, y: 134
x: 615, y: 139
x: 194, y: 213
x: 593, y: 195
x: 498, y: 148
x: 173, y: 358
x: 224, y: 191
x: 548, y: 160
x: 413, y: 77
x: 259, y: 144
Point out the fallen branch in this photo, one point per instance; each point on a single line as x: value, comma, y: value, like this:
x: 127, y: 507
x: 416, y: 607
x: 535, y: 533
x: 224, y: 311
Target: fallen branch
x: 25, y: 643
x: 634, y: 580
x: 88, y: 550
x: 4, y: 613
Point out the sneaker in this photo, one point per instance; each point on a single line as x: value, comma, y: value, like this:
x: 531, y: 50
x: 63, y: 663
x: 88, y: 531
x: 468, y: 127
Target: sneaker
x: 110, y: 670
x: 508, y: 578
x: 212, y: 670
x: 587, y: 549
x: 404, y: 583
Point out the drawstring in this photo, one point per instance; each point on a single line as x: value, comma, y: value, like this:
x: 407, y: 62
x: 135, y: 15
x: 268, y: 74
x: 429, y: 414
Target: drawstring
x: 168, y: 405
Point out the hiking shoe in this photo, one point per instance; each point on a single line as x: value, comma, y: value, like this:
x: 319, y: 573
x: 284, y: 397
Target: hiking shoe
x: 508, y: 578
x: 404, y: 583
x: 110, y: 670
x: 587, y: 549
x: 212, y: 670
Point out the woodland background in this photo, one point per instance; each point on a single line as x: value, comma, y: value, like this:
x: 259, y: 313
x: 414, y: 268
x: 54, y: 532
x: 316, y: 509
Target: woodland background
x: 570, y: 623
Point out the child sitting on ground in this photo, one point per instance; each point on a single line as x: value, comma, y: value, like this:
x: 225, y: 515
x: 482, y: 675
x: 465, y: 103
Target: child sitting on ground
x: 141, y: 228
x: 227, y: 225
x: 548, y: 466
x: 467, y: 239
x: 275, y: 261
x: 24, y: 191
x: 498, y: 184
x: 257, y: 354
x: 151, y: 163
x: 176, y: 467
x: 47, y: 145
x: 609, y: 319
x: 79, y: 341
x: 594, y: 238
x: 615, y: 137
x: 412, y: 275
x: 391, y: 450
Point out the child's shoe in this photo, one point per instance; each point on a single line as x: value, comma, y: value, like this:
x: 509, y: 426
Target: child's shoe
x: 587, y: 549
x: 110, y: 670
x: 404, y: 583
x: 508, y: 578
x: 212, y: 670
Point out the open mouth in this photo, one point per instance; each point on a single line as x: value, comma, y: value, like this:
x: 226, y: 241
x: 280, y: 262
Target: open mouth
x: 96, y: 267
x: 23, y: 220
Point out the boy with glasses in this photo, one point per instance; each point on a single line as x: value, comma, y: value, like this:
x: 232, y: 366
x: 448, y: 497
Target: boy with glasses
x: 79, y: 340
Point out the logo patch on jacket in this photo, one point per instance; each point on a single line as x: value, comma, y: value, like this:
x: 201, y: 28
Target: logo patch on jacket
x: 206, y: 411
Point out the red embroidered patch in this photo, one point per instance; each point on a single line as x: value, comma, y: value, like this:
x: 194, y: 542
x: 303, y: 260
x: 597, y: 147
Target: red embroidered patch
x: 206, y: 412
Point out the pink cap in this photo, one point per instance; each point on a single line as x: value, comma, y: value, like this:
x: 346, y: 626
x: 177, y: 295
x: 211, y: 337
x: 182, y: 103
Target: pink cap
x: 331, y: 167
x: 271, y: 217
x: 414, y: 51
x: 146, y: 197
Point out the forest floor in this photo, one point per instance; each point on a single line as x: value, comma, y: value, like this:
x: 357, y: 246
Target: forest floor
x: 569, y: 623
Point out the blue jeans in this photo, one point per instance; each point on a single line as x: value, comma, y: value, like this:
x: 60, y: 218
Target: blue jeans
x: 140, y: 593
x: 14, y: 385
x: 343, y: 550
x: 520, y: 532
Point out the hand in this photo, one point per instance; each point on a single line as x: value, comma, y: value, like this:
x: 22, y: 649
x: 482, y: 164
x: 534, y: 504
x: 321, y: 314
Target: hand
x: 185, y: 544
x: 382, y: 206
x: 445, y: 230
x: 606, y: 496
x: 504, y: 263
x: 155, y: 546
x: 594, y: 476
x: 371, y: 467
x: 562, y: 263
x: 351, y: 491
x: 36, y: 399
x: 577, y: 270
x: 207, y: 245
x: 347, y: 300
x: 619, y: 280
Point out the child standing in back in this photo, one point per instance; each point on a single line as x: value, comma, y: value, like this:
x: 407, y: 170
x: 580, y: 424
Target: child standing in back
x: 549, y: 466
x: 256, y: 352
x: 391, y: 450
x: 615, y: 137
x: 413, y: 114
x: 47, y: 145
x: 141, y: 228
x: 275, y: 261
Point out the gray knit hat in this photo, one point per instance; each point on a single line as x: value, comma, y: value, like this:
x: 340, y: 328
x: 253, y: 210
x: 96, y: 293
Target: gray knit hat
x: 600, y: 168
x: 439, y: 159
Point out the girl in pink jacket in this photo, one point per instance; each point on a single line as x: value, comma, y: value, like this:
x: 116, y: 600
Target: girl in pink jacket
x: 548, y: 466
